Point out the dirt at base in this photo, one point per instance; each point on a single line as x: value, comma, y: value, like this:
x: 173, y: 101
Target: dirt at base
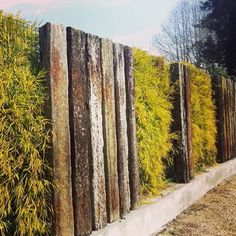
x: 213, y: 215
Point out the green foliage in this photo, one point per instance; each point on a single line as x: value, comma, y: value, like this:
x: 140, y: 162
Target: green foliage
x: 203, y: 119
x: 24, y: 171
x: 153, y: 108
x: 218, y: 50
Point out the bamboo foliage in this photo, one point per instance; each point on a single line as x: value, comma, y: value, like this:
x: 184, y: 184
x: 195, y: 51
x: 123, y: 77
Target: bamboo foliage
x: 203, y: 119
x: 153, y: 109
x: 24, y: 171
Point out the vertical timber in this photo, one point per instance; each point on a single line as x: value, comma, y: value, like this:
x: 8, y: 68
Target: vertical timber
x: 121, y: 125
x: 132, y: 136
x: 80, y: 132
x: 54, y: 60
x: 183, y: 159
x: 187, y: 97
x: 96, y: 126
x: 109, y: 124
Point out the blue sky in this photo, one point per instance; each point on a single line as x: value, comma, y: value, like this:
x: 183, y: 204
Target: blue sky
x: 132, y: 22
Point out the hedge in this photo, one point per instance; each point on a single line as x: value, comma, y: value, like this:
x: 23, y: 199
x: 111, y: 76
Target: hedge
x: 153, y: 109
x: 25, y: 184
x: 203, y: 119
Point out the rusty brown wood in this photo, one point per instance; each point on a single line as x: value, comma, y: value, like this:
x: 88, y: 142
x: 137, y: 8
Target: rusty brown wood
x: 132, y: 136
x: 217, y: 96
x: 121, y: 124
x: 180, y: 124
x: 229, y: 118
x: 226, y: 131
x: 96, y: 126
x: 224, y: 119
x: 80, y: 132
x: 187, y: 91
x: 234, y: 119
x: 54, y: 60
x: 109, y: 124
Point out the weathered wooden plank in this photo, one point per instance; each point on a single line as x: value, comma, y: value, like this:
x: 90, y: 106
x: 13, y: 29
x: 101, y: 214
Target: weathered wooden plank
x: 109, y: 123
x: 121, y: 124
x: 54, y: 60
x: 96, y: 126
x: 229, y: 118
x: 225, y: 120
x: 234, y: 119
x: 181, y: 123
x: 132, y: 136
x: 187, y: 95
x: 80, y: 132
x: 217, y: 96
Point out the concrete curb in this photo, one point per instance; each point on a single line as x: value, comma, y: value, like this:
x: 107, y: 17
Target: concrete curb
x: 150, y: 219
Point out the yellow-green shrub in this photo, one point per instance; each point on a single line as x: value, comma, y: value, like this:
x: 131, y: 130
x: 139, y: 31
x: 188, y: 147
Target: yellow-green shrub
x: 203, y: 119
x: 153, y: 109
x: 24, y: 171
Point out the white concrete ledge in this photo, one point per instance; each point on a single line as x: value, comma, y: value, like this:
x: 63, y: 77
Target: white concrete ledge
x: 150, y: 219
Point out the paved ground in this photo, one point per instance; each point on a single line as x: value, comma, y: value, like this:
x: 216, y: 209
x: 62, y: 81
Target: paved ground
x: 213, y: 215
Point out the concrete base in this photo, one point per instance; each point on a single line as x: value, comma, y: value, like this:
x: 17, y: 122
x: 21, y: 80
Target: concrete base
x: 150, y: 219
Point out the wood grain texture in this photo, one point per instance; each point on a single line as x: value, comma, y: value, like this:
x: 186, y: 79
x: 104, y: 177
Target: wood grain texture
x: 132, y: 136
x: 109, y: 127
x: 54, y: 60
x: 187, y: 91
x: 96, y: 126
x: 80, y: 131
x: 121, y: 125
x: 183, y: 162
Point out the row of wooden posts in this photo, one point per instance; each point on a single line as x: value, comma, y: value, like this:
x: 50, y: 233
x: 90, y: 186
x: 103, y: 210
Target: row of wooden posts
x: 224, y: 93
x: 90, y: 83
x: 91, y: 105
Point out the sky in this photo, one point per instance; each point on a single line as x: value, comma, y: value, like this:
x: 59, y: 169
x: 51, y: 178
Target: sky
x: 131, y: 22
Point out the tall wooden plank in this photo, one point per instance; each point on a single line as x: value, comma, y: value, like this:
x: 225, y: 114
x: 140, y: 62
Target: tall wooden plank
x: 187, y: 95
x: 234, y: 118
x: 132, y: 136
x: 109, y: 127
x: 181, y: 124
x: 225, y: 120
x: 54, y: 60
x: 226, y: 107
x: 80, y: 132
x: 121, y: 124
x: 96, y: 126
x: 217, y: 96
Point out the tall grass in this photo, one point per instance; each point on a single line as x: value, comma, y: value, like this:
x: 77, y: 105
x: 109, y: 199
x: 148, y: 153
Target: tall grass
x: 153, y: 108
x: 24, y: 171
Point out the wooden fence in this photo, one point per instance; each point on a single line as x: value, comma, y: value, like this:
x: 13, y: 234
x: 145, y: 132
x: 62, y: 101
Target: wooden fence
x: 90, y: 84
x: 225, y: 97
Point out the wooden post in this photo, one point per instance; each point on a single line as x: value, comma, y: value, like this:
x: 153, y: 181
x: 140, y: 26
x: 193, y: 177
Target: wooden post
x: 96, y: 123
x: 109, y: 124
x: 132, y: 136
x: 234, y: 119
x: 53, y: 48
x: 183, y: 160
x: 121, y: 125
x: 217, y: 96
x: 80, y: 132
x: 187, y: 94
